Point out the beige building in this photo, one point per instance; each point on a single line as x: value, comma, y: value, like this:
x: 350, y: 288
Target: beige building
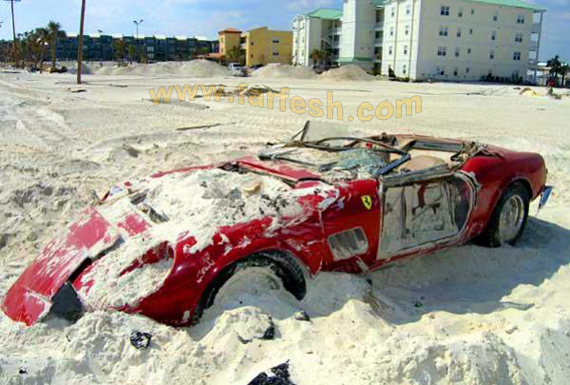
x: 461, y: 40
x: 259, y: 46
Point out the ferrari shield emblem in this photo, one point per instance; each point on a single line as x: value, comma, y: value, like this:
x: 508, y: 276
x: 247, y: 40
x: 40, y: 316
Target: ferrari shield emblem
x: 367, y: 201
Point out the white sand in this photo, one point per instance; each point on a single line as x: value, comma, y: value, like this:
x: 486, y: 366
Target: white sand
x: 284, y: 71
x: 468, y: 315
x: 345, y: 73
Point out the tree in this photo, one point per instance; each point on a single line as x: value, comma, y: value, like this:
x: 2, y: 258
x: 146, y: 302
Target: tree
x: 119, y: 50
x: 555, y: 68
x: 55, y: 32
x: 234, y: 55
x: 319, y: 55
x: 132, y: 53
x: 43, y: 38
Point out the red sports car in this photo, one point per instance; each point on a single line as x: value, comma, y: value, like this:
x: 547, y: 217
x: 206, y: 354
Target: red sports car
x: 164, y: 246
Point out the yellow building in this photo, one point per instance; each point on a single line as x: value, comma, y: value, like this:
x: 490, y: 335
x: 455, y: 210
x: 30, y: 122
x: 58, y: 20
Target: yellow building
x: 258, y: 46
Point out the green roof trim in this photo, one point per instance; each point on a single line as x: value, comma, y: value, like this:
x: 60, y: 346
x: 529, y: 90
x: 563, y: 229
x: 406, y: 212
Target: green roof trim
x: 504, y: 3
x: 511, y: 3
x: 326, y: 13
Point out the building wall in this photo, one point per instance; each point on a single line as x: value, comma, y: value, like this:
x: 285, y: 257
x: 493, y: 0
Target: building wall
x: 474, y: 53
x: 264, y: 46
x: 402, y: 32
x: 405, y: 36
x: 228, y: 40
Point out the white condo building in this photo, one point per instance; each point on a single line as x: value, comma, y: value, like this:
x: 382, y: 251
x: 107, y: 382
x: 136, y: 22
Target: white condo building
x: 459, y: 40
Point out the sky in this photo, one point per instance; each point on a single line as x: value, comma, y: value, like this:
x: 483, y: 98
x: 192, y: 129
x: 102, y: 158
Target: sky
x: 206, y: 17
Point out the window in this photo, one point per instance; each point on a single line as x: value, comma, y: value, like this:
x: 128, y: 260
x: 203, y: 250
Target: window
x: 405, y: 50
x: 275, y: 41
x: 441, y: 51
x: 378, y: 35
x: 467, y: 70
x: 458, y: 32
x: 391, y: 31
x: 408, y: 10
x: 520, y: 18
x: 407, y: 30
x: 444, y: 10
x: 393, y: 11
x: 495, y: 16
x: 493, y: 35
x: 456, y: 52
x: 275, y: 53
x: 515, y: 73
x: 468, y: 50
x: 492, y: 54
x: 442, y: 31
x: 440, y: 71
x: 460, y: 12
x: 471, y: 31
x: 518, y: 37
x: 404, y: 69
x: 517, y: 56
x: 390, y: 50
x: 472, y: 11
x: 455, y: 71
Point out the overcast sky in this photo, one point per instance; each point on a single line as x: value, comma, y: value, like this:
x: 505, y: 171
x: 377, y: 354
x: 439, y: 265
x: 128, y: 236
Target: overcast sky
x: 206, y: 17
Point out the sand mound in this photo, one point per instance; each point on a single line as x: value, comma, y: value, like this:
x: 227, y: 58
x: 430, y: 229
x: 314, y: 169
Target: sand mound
x: 284, y: 71
x: 196, y: 68
x: 348, y: 72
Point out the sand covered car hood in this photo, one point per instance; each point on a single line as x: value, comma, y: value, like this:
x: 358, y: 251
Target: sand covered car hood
x: 30, y: 298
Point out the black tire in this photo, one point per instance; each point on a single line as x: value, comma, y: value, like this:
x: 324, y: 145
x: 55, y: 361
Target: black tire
x: 491, y: 237
x: 283, y: 265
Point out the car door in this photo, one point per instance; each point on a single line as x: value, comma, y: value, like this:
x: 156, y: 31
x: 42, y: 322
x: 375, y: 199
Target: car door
x: 423, y: 208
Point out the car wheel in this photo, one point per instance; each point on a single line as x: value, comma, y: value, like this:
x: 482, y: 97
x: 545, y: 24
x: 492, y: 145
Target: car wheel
x: 272, y: 271
x: 509, y: 218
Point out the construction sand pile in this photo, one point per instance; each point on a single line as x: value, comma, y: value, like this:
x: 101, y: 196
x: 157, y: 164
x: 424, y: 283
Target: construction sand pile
x: 284, y: 71
x: 194, y: 68
x: 344, y: 73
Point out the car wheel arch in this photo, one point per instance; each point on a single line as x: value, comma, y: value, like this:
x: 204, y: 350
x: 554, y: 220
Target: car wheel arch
x: 290, y: 269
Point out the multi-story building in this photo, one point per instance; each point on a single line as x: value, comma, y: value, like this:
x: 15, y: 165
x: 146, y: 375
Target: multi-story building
x: 97, y: 47
x: 460, y: 40
x: 258, y: 46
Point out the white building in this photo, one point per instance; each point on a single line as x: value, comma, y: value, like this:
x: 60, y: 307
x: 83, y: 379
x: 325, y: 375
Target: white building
x: 459, y: 40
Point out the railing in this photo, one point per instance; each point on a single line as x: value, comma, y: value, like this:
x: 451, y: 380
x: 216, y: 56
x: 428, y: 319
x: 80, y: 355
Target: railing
x: 533, y: 46
x: 379, y: 25
x: 335, y: 31
x: 533, y: 61
x: 378, y: 42
x: 535, y: 28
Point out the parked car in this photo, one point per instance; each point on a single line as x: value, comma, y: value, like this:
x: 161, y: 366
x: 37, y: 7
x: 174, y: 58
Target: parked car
x: 165, y: 246
x: 237, y: 69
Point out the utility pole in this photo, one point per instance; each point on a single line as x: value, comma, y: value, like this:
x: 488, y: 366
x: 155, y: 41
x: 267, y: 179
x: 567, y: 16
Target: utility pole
x: 14, y: 43
x: 80, y: 45
x: 137, y: 23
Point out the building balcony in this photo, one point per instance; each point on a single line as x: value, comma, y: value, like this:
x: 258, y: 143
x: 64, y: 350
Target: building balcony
x: 532, y: 62
x: 243, y: 46
x: 379, y: 26
x: 335, y: 31
x: 535, y: 28
x: 378, y: 42
x: 378, y: 58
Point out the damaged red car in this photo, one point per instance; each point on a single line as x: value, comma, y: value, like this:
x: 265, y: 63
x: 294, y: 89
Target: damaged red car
x: 164, y: 246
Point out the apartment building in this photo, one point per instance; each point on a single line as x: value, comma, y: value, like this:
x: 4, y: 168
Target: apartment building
x: 259, y: 46
x: 458, y: 40
x: 99, y: 47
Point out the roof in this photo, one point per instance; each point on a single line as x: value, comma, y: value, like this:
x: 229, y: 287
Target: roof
x: 511, y: 3
x: 325, y: 13
x: 230, y: 30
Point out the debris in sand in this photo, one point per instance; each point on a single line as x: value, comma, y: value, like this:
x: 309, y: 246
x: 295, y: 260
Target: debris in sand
x: 527, y: 91
x: 278, y: 375
x: 198, y: 127
x: 76, y: 90
x: 140, y: 340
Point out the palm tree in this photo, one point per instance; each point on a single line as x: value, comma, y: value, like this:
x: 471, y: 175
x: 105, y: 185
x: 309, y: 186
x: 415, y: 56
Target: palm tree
x: 55, y: 32
x: 43, y: 39
x: 119, y: 49
x: 555, y: 65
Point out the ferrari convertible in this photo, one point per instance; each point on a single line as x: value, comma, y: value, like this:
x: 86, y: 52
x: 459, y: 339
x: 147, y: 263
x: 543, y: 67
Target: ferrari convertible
x: 166, y: 245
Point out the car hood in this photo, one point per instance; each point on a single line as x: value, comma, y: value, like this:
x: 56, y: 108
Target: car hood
x: 30, y: 298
